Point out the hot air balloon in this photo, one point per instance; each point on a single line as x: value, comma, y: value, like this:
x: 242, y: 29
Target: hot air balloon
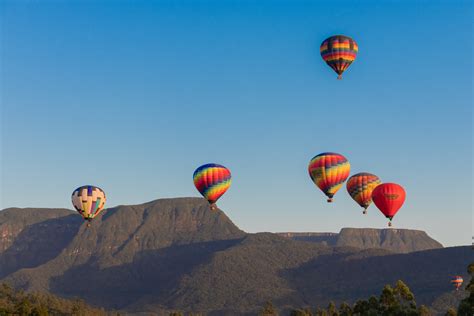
x: 389, y: 198
x: 89, y: 201
x: 339, y: 52
x: 360, y: 187
x: 212, y: 180
x: 329, y: 171
x: 457, y: 281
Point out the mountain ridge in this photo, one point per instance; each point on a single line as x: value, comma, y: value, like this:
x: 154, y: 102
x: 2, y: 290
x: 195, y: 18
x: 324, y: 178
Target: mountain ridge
x: 177, y: 254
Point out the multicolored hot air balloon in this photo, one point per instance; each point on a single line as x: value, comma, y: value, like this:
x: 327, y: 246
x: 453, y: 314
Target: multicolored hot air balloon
x: 389, y: 198
x: 339, y: 52
x: 360, y: 187
x: 89, y: 201
x: 212, y: 180
x: 329, y: 171
x: 457, y: 281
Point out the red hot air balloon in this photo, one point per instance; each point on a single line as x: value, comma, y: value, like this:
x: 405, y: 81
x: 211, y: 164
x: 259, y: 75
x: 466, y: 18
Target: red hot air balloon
x: 389, y: 198
x: 457, y: 281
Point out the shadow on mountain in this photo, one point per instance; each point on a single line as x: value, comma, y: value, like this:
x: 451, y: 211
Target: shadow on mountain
x: 153, y: 274
x: 39, y: 243
x: 338, y: 275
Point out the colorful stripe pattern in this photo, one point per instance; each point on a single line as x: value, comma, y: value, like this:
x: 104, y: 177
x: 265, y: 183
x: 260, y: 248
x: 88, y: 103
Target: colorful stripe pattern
x: 88, y: 200
x: 339, y: 52
x: 212, y: 180
x: 329, y: 171
x: 457, y: 281
x: 360, y: 187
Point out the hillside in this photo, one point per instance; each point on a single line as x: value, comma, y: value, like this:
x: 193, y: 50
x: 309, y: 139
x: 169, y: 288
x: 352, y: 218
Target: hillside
x: 14, y: 302
x: 394, y: 240
x: 176, y: 254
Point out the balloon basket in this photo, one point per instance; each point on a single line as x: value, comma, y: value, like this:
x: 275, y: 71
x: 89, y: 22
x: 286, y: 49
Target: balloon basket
x: 330, y: 200
x: 213, y: 207
x: 389, y: 224
x: 364, y: 212
x: 339, y: 77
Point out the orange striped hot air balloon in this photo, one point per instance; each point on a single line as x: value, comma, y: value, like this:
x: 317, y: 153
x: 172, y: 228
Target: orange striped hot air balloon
x: 212, y: 181
x: 329, y: 171
x: 457, y: 281
x: 339, y: 52
x: 360, y: 187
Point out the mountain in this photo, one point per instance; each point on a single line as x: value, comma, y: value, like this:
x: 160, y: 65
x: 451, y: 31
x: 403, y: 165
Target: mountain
x: 177, y: 254
x: 394, y: 240
x: 31, y: 237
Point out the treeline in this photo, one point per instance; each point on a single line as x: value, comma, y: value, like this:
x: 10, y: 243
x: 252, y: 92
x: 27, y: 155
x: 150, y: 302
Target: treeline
x: 20, y: 303
x: 395, y: 300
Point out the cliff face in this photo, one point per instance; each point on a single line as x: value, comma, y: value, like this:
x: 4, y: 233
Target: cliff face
x: 30, y: 237
x: 394, y: 240
x: 62, y: 240
x: 328, y: 239
x: 14, y: 220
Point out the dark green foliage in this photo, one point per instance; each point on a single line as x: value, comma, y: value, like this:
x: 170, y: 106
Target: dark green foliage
x: 19, y: 303
x: 393, y: 301
x: 345, y: 309
x: 424, y: 311
x: 451, y: 312
x: 268, y: 310
x: 466, y: 307
x: 301, y: 312
x: 176, y: 314
x: 332, y: 309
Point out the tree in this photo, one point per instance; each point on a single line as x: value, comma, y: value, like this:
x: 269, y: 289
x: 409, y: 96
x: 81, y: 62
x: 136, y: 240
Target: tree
x: 268, y: 310
x: 345, y: 309
x: 300, y: 312
x: 332, y: 309
x: 451, y: 312
x: 466, y: 307
x: 424, y: 311
x: 321, y: 312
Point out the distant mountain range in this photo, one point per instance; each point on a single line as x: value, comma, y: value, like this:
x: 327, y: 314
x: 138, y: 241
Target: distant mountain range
x: 176, y: 254
x: 395, y: 240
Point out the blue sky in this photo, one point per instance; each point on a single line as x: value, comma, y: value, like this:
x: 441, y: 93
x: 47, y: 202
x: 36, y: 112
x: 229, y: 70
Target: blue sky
x: 133, y: 96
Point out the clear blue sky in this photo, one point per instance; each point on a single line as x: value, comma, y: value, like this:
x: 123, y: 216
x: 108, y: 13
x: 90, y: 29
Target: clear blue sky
x: 132, y: 96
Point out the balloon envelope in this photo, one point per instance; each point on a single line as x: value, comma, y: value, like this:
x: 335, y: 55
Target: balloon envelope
x: 360, y: 187
x: 339, y: 52
x: 212, y: 181
x: 389, y: 198
x: 89, y: 201
x: 329, y: 171
x: 457, y: 281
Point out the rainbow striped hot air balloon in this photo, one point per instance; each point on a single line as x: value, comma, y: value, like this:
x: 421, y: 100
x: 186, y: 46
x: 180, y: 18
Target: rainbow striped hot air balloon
x: 339, y: 52
x: 212, y: 181
x: 88, y: 201
x: 457, y: 281
x: 360, y: 187
x: 329, y: 171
